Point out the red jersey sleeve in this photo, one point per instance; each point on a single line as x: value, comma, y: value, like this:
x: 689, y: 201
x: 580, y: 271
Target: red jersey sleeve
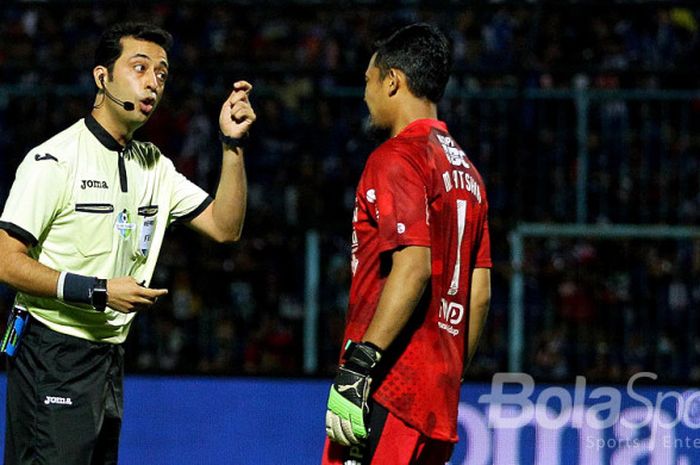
x: 483, y: 248
x: 395, y: 190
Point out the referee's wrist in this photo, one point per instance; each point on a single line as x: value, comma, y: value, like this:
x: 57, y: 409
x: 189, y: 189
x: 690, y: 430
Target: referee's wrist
x: 79, y: 289
x: 233, y: 142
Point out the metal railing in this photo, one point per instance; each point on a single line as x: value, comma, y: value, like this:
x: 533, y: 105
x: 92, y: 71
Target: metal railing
x: 498, y: 125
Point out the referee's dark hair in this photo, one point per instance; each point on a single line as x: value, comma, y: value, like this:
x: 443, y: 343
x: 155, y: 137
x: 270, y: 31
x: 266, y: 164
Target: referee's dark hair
x: 109, y: 49
x: 423, y: 53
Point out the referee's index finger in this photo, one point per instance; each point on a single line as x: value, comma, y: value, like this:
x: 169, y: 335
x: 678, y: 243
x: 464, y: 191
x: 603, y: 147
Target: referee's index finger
x: 148, y: 292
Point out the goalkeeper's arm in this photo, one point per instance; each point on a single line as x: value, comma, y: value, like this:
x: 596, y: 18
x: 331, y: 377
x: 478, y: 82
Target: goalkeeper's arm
x: 479, y: 301
x: 404, y: 287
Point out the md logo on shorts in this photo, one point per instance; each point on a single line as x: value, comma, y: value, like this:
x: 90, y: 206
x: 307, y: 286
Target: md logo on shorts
x: 124, y: 224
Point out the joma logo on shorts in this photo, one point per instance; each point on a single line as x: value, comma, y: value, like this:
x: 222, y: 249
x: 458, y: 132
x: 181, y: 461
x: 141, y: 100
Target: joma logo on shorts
x: 92, y: 184
x: 58, y: 400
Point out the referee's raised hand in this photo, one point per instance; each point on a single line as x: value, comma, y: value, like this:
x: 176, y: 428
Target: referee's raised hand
x: 126, y: 295
x: 237, y: 114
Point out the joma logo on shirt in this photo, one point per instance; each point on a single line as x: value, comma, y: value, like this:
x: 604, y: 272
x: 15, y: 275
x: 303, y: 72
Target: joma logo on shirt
x: 92, y: 184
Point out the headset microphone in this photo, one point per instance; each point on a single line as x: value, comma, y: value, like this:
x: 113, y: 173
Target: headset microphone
x: 128, y: 106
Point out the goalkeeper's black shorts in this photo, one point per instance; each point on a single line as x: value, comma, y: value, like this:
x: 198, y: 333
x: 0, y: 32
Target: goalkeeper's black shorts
x: 64, y: 400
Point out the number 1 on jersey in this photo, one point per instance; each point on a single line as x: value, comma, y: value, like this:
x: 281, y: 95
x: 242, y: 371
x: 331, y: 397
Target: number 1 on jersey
x: 461, y: 223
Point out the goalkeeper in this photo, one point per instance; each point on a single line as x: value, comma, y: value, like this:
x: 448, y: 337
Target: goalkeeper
x: 420, y: 260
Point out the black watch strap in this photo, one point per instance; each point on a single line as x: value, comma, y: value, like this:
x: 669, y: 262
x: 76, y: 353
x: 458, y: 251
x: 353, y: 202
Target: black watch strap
x: 232, y: 142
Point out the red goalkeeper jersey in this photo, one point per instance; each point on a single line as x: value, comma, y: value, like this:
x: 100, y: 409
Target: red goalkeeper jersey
x: 420, y: 189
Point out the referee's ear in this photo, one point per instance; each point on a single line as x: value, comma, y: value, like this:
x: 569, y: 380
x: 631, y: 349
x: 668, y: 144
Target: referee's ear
x: 99, y: 73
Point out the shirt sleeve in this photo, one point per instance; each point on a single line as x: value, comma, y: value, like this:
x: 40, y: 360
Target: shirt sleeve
x: 483, y: 248
x: 187, y: 200
x: 37, y: 195
x: 397, y: 192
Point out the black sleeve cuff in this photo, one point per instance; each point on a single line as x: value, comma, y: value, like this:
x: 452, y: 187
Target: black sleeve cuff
x: 195, y: 213
x: 19, y: 233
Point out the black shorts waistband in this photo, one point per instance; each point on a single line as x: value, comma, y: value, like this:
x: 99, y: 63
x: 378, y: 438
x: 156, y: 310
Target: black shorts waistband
x: 40, y: 328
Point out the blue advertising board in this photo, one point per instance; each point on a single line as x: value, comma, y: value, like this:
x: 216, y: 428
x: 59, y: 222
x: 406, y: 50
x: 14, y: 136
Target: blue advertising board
x: 169, y: 420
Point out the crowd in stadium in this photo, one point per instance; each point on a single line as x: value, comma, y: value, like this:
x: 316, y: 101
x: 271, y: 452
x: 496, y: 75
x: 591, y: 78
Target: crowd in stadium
x: 239, y: 309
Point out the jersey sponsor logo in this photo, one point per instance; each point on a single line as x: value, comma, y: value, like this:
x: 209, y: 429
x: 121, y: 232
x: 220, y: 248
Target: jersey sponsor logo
x: 55, y: 400
x: 124, y: 225
x: 400, y: 228
x: 451, y: 315
x: 93, y: 184
x: 46, y: 156
x: 454, y: 154
x: 371, y: 196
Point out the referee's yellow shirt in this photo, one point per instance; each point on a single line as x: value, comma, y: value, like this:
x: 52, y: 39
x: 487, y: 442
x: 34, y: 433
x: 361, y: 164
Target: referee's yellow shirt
x: 89, y: 206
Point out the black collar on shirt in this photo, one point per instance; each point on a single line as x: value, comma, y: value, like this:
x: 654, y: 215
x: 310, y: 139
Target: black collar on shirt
x: 102, y: 135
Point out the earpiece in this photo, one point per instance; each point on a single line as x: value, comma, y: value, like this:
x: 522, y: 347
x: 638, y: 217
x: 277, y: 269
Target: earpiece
x: 128, y: 106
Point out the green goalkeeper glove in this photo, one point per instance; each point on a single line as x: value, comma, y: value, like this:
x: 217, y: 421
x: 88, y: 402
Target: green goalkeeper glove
x: 347, y: 401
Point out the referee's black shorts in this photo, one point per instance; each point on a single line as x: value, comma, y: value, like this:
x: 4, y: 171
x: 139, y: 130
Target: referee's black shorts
x: 64, y: 400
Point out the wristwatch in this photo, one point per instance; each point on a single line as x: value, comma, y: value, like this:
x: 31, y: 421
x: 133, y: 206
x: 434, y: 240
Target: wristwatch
x: 98, y: 296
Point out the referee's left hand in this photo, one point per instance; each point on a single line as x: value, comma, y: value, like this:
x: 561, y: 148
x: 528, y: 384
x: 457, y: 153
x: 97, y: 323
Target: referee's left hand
x: 126, y: 295
x: 237, y: 114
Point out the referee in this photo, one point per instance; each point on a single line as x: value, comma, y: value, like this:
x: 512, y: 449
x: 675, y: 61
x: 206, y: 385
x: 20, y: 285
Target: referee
x: 79, y: 240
